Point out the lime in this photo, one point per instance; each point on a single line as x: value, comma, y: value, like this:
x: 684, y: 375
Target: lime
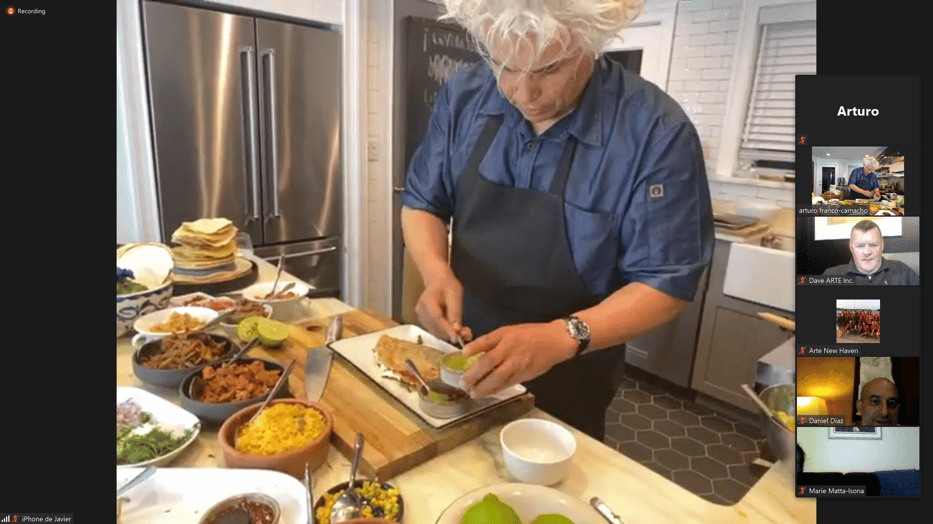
x: 247, y: 329
x: 490, y: 510
x: 272, y: 332
x: 551, y: 518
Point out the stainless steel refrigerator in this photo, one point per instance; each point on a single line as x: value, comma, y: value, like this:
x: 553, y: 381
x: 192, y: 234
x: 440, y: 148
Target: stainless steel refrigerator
x: 246, y: 125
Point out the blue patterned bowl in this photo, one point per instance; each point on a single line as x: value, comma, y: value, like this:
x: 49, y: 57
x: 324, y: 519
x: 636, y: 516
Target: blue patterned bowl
x: 132, y: 306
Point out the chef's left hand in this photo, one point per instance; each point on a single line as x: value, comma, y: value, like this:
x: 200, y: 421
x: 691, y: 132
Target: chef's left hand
x: 515, y: 354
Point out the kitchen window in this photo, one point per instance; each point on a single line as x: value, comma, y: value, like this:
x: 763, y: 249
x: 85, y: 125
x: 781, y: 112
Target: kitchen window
x: 776, y: 42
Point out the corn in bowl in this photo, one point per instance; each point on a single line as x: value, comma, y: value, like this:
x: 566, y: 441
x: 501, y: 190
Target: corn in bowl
x: 380, y: 500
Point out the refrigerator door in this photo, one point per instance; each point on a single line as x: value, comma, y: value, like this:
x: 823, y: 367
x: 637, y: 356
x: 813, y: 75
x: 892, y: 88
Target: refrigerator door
x: 316, y: 262
x: 203, y: 109
x: 299, y: 89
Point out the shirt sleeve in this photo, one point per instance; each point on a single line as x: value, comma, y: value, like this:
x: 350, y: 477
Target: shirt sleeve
x: 667, y: 234
x: 428, y: 181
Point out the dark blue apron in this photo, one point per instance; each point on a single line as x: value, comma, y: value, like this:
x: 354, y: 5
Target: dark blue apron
x: 863, y: 183
x: 510, y: 251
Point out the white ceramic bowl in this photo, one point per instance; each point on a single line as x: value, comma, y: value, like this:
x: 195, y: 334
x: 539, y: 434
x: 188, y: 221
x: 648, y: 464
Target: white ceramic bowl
x: 144, y: 325
x: 537, y: 451
x: 280, y: 307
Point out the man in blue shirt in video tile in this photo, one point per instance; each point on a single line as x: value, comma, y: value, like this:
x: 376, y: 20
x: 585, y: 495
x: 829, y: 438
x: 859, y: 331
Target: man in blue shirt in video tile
x: 578, y: 202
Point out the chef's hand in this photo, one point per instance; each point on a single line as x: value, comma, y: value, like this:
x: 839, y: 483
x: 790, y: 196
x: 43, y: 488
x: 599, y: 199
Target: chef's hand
x: 440, y: 309
x: 515, y: 354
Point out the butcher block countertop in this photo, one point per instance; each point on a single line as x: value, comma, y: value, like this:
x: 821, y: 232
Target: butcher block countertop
x: 634, y: 492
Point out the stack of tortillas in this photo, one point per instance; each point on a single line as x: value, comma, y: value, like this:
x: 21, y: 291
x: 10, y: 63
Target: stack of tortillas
x: 207, y: 251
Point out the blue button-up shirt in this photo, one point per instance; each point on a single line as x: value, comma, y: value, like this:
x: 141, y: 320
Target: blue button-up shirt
x: 637, y: 201
x: 858, y: 174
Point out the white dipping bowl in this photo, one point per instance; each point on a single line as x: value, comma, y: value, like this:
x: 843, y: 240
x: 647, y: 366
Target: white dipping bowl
x: 280, y: 308
x: 537, y: 451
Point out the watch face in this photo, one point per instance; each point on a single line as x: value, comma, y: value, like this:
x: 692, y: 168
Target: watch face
x: 579, y: 329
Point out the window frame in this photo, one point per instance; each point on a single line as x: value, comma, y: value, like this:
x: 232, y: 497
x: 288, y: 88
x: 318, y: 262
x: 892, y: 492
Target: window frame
x: 747, y: 47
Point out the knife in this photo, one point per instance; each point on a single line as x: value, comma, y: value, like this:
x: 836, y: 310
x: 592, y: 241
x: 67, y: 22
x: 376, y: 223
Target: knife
x: 317, y: 363
x: 604, y: 510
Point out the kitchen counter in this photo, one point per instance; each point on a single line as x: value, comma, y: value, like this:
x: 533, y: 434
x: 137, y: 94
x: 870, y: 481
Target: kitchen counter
x: 637, y: 494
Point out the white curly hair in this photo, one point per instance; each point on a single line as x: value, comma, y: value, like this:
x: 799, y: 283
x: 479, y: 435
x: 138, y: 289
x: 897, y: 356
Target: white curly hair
x: 535, y: 24
x: 870, y: 161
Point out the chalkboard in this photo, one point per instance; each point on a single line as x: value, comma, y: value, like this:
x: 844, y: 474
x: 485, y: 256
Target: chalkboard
x: 435, y: 51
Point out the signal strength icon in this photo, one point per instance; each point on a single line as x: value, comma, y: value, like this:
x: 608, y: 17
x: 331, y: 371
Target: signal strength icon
x: 5, y: 519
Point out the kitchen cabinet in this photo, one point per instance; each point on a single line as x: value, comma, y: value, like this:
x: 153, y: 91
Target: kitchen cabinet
x: 733, y: 337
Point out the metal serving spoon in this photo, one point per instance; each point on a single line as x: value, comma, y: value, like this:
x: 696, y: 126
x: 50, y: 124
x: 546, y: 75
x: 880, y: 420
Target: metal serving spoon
x: 275, y: 389
x: 348, y: 504
x: 143, y: 475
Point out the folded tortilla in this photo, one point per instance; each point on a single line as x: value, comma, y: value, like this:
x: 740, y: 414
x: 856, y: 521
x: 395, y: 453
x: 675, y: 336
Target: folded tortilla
x: 390, y: 354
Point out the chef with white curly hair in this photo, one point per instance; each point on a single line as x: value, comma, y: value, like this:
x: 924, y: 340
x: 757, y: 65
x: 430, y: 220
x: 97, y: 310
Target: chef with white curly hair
x: 863, y: 182
x: 577, y: 201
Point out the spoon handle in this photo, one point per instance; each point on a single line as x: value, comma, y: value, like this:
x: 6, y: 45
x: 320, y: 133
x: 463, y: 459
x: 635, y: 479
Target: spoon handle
x: 414, y: 369
x: 278, y: 385
x: 146, y: 473
x: 357, y: 451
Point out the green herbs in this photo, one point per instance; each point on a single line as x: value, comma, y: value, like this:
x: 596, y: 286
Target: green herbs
x: 134, y: 448
x: 128, y: 286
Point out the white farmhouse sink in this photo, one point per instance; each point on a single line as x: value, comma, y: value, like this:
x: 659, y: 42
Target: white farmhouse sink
x: 761, y: 275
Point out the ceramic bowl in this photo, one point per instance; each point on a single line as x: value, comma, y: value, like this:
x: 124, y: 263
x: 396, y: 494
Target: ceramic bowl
x: 337, y: 490
x: 280, y: 307
x: 171, y: 378
x: 230, y: 329
x: 230, y: 502
x: 219, y: 412
x: 135, y: 305
x: 291, y: 462
x: 145, y: 325
x: 537, y: 451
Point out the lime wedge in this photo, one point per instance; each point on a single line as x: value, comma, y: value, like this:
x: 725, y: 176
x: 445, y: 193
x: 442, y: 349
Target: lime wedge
x: 272, y: 332
x: 248, y: 328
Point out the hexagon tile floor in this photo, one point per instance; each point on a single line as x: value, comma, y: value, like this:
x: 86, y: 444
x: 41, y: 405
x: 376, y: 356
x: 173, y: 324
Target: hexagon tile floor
x: 706, y: 452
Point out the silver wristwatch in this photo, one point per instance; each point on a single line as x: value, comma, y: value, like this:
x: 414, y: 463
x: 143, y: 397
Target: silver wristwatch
x: 580, y: 332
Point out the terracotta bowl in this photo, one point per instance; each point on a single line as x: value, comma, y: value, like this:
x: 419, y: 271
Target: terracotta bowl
x: 292, y: 462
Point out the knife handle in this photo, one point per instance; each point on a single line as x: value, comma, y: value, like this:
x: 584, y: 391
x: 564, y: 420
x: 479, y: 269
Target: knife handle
x: 334, y: 329
x: 604, y: 510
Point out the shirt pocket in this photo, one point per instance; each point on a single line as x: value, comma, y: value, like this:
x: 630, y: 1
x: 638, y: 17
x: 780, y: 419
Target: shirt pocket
x: 595, y: 247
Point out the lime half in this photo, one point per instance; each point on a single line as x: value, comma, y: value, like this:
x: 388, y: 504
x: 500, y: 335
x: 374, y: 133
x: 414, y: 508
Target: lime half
x: 272, y: 332
x: 248, y: 328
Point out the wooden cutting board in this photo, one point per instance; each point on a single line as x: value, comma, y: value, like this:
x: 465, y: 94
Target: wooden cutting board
x: 396, y: 439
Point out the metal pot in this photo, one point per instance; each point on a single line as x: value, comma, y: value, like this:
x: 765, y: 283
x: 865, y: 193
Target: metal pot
x: 781, y: 440
x: 444, y: 401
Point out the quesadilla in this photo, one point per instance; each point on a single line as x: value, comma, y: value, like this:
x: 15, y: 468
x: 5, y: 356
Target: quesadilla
x: 390, y: 354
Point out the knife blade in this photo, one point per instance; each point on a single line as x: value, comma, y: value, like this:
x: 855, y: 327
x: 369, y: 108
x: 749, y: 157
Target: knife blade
x: 318, y: 361
x: 604, y: 510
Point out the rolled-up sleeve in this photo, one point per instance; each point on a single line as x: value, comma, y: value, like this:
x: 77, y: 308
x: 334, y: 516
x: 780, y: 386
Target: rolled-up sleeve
x: 667, y: 233
x: 428, y: 181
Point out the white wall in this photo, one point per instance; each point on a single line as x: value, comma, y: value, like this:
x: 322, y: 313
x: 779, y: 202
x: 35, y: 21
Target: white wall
x: 899, y: 448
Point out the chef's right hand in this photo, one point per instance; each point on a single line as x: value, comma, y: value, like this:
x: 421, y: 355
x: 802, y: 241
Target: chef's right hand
x: 440, y: 309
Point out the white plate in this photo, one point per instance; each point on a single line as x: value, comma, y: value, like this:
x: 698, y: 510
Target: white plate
x: 359, y: 351
x: 528, y: 501
x: 145, y: 323
x: 182, y: 495
x: 165, y: 415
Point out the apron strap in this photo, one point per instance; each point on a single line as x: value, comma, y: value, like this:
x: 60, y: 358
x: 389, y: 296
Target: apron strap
x: 559, y: 182
x: 483, y: 142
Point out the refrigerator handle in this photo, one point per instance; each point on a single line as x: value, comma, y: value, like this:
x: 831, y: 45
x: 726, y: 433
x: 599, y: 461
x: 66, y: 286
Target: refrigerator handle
x: 268, y: 57
x: 252, y: 130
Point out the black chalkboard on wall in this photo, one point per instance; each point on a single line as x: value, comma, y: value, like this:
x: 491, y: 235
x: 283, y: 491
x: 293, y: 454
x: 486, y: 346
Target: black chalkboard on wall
x: 435, y: 51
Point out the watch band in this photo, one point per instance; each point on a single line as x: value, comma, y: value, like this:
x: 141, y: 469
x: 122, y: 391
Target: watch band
x: 574, y: 326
